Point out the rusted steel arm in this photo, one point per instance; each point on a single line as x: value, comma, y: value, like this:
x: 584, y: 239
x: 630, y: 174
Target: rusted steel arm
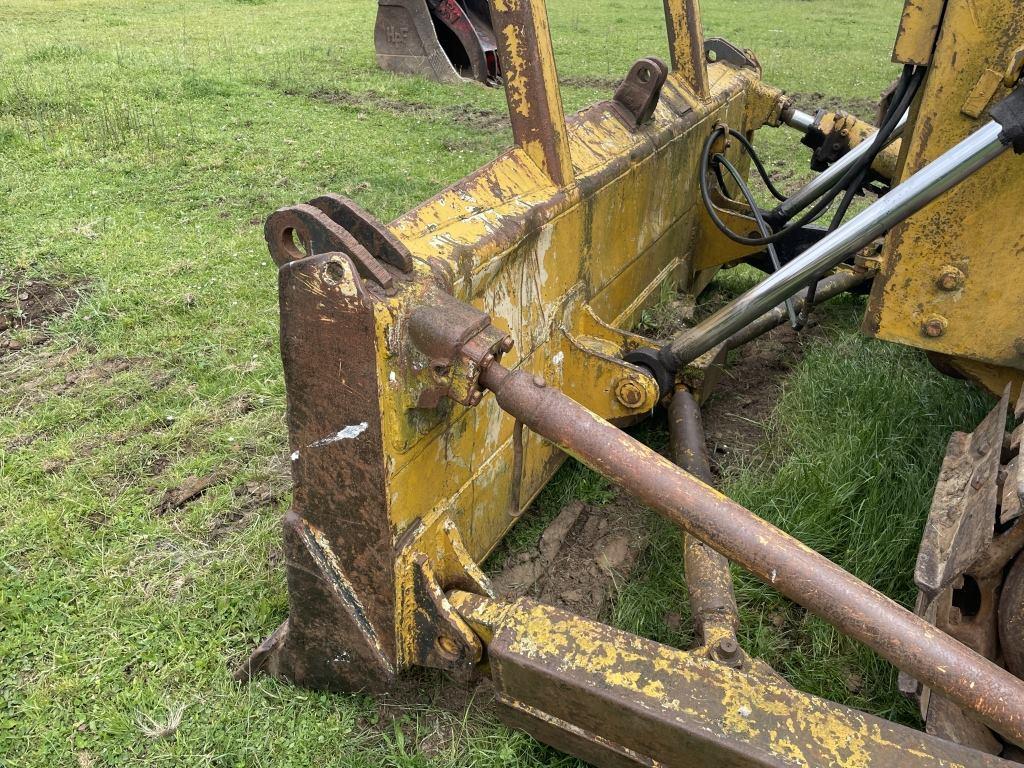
x: 707, y: 572
x: 795, y: 570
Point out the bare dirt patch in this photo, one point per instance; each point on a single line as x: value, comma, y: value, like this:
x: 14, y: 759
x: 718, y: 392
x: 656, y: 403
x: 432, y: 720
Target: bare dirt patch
x: 250, y: 499
x: 581, y: 558
x: 591, y: 81
x: 473, y: 117
x: 735, y: 415
x: 27, y: 302
x: 811, y: 102
x: 188, y: 490
x: 101, y: 370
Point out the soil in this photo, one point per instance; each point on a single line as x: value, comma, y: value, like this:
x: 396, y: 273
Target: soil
x: 580, y: 558
x: 735, y: 415
x: 251, y: 499
x: 27, y: 302
x: 473, y: 117
x: 591, y: 81
x: 865, y: 109
x: 190, y: 489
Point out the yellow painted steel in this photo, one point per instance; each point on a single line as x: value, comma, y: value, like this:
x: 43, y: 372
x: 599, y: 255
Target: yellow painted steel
x: 562, y: 240
x: 562, y: 269
x: 919, y: 26
x: 751, y: 715
x: 951, y: 277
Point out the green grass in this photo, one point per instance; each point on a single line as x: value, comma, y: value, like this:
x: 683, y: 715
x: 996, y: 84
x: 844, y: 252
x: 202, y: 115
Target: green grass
x: 142, y: 146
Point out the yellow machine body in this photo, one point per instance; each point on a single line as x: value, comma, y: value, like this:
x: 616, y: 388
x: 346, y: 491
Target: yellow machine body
x: 950, y: 282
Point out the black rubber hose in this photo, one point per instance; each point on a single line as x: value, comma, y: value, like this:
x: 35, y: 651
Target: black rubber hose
x: 721, y: 160
x: 828, y: 196
x: 896, y: 109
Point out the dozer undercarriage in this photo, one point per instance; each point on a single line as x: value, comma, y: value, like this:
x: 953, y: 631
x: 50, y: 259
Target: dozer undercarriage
x: 441, y: 367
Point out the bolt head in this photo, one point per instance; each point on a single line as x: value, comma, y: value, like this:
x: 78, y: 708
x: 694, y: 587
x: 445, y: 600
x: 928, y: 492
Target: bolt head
x: 727, y: 651
x: 630, y: 393
x: 934, y: 326
x: 950, y: 279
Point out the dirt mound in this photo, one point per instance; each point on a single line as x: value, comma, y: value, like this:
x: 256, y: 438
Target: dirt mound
x: 27, y: 302
x: 865, y: 109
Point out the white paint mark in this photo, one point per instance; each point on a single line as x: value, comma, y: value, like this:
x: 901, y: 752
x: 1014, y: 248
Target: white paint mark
x: 557, y: 359
x: 295, y: 455
x: 774, y: 574
x: 392, y: 377
x: 349, y: 432
x: 745, y: 711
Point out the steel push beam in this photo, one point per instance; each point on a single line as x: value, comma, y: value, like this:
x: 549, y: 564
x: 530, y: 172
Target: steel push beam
x: 617, y: 700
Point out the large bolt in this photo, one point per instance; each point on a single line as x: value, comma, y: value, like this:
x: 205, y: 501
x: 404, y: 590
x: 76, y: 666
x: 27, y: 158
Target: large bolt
x: 950, y: 278
x: 630, y: 393
x: 727, y: 651
x: 934, y: 326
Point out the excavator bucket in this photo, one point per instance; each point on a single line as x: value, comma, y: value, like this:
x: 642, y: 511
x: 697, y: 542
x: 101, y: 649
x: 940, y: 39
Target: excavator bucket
x: 450, y: 41
x: 439, y: 368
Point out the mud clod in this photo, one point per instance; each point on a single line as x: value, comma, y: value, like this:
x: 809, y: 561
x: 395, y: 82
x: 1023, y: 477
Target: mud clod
x: 249, y: 499
x: 191, y: 489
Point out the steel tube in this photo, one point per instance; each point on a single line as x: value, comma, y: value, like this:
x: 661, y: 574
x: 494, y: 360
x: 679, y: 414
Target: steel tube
x: 824, y: 180
x: 708, y: 579
x: 828, y: 288
x: 798, y: 572
x: 795, y: 118
x: 912, y: 195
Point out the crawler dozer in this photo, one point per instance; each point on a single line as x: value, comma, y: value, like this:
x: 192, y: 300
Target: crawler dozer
x: 441, y: 367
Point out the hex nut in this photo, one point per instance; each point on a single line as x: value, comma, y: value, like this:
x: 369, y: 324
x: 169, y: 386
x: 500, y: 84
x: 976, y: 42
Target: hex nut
x: 950, y: 278
x: 934, y: 326
x: 630, y: 393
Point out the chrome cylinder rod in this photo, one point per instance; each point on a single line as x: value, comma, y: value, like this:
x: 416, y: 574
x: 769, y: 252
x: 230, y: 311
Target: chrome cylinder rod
x: 824, y: 180
x: 794, y: 118
x: 947, y: 170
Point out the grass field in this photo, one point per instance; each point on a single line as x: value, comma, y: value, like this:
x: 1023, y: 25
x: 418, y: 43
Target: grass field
x: 142, y: 145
